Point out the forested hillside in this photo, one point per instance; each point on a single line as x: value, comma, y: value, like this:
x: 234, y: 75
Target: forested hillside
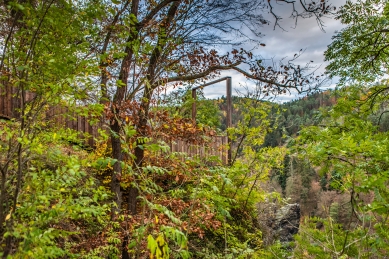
x: 296, y: 114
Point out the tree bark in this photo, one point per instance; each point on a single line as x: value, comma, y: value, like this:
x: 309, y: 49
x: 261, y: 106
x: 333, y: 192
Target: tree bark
x: 147, y: 95
x: 114, y: 123
x: 117, y: 168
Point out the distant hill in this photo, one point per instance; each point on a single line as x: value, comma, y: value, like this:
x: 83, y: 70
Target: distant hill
x: 292, y: 116
x: 298, y: 113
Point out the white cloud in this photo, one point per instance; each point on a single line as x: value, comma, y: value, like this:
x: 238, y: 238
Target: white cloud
x: 280, y: 44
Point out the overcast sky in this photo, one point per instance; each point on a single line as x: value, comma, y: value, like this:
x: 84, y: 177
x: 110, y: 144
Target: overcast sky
x: 280, y: 44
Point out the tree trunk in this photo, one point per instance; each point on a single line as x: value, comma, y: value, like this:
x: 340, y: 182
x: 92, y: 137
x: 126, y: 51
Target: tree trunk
x: 139, y: 157
x: 117, y: 168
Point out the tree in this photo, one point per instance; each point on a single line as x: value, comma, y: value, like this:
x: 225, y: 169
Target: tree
x: 147, y: 46
x: 359, y: 52
x: 44, y: 62
x: 350, y: 148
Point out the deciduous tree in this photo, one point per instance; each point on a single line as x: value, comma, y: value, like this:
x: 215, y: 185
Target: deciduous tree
x: 151, y: 44
x: 359, y: 52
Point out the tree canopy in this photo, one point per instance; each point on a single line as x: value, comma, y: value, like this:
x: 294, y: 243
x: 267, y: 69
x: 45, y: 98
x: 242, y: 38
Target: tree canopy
x: 359, y: 52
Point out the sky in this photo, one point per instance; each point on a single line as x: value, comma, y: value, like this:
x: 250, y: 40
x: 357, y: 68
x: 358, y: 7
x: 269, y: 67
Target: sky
x: 284, y: 44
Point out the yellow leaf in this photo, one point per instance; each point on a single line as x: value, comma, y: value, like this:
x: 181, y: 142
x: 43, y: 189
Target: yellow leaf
x: 160, y: 241
x: 8, y: 217
x: 156, y: 219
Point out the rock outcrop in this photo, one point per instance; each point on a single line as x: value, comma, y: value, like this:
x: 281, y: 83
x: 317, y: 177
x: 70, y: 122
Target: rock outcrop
x: 286, y: 222
x: 279, y: 222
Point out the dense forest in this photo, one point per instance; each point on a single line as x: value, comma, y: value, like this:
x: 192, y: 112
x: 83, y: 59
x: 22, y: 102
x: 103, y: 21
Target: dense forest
x: 95, y: 94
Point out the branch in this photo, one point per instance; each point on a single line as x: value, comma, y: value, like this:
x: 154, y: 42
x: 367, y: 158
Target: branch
x: 161, y: 41
x: 127, y: 61
x: 315, y: 8
x: 263, y: 80
x: 199, y: 75
x: 234, y: 66
x: 103, y: 62
x: 153, y: 12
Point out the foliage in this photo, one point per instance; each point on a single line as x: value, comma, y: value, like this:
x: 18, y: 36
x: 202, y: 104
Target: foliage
x: 358, y: 52
x: 47, y: 195
x: 216, y: 204
x: 59, y: 201
x: 328, y: 240
x: 353, y: 147
x: 294, y: 115
x: 179, y: 103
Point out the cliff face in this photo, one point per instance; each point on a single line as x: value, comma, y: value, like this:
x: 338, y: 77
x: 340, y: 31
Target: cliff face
x: 286, y: 222
x: 279, y: 223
